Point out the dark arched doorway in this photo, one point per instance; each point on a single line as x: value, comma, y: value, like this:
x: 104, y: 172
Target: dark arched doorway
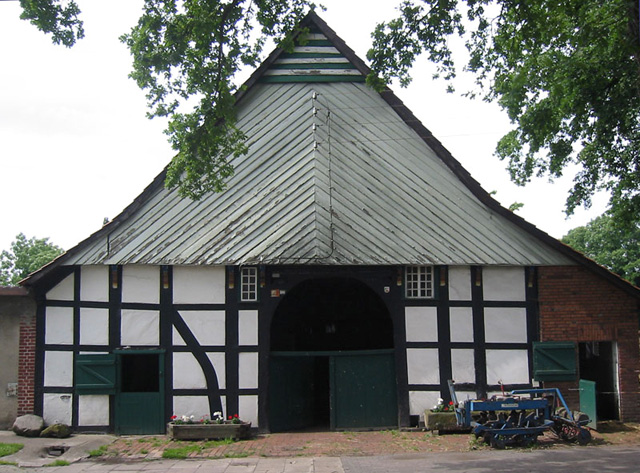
x: 332, y: 361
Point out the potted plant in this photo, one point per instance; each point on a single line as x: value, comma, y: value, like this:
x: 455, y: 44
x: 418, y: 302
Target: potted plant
x: 441, y: 417
x: 214, y: 427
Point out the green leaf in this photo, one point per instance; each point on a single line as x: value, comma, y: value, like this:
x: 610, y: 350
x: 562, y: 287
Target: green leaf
x: 24, y: 257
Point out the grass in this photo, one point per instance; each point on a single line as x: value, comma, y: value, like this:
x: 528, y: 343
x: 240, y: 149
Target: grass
x: 58, y: 463
x: 180, y: 453
x: 217, y: 443
x: 238, y: 455
x: 98, y: 452
x: 9, y: 448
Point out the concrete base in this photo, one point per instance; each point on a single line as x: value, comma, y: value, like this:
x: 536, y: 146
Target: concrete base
x: 440, y: 420
x: 35, y: 452
x: 209, y: 431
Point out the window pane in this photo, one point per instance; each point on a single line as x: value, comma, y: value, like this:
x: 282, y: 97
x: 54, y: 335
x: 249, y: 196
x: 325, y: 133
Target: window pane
x: 419, y: 282
x: 249, y: 284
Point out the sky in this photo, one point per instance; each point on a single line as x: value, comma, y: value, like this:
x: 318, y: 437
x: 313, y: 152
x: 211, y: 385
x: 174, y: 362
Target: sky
x: 76, y: 146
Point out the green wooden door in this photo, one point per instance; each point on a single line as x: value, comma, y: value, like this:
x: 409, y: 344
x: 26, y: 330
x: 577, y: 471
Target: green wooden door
x: 139, y: 403
x: 363, y: 390
x: 95, y: 373
x: 588, y: 401
x: 554, y: 361
x: 292, y: 392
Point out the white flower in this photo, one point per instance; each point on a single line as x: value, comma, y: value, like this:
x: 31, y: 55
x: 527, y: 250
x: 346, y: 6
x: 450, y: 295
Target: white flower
x: 185, y: 419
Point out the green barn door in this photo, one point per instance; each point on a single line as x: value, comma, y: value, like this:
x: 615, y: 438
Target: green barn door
x: 292, y: 392
x: 139, y: 403
x: 363, y: 390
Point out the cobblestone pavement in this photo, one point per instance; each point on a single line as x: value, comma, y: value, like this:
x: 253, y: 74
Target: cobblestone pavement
x: 597, y: 459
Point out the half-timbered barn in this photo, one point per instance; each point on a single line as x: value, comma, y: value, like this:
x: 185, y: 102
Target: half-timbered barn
x: 350, y: 268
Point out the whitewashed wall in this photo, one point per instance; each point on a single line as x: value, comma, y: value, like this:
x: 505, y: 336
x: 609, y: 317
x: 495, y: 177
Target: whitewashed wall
x: 502, y: 325
x: 140, y: 327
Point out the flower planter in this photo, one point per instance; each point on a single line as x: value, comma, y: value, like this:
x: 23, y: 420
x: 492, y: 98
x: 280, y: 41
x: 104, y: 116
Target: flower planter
x: 440, y: 420
x: 209, y: 431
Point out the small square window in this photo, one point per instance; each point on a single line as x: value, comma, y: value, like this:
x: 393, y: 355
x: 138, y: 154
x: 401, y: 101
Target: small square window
x: 419, y: 282
x: 249, y: 284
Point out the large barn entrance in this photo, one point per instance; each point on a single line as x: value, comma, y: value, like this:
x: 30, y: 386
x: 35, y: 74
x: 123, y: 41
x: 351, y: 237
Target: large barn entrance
x: 599, y: 363
x: 332, y: 360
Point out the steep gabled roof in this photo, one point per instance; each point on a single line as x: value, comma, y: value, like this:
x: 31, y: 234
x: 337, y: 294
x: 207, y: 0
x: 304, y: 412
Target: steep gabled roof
x: 336, y: 173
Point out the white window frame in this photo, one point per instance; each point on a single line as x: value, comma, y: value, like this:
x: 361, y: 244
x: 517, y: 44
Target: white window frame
x: 248, y: 284
x: 418, y: 282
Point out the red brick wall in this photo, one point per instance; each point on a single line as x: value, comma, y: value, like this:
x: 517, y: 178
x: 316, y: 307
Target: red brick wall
x: 577, y: 305
x: 26, y: 364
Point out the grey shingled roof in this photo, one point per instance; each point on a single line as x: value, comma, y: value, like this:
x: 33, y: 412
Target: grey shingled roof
x: 333, y: 176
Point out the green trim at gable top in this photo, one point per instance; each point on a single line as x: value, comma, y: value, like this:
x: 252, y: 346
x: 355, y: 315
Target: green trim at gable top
x: 308, y: 55
x: 321, y: 65
x: 327, y: 78
x: 315, y: 42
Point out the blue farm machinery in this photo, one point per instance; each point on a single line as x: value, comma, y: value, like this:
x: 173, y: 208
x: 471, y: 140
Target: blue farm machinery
x: 520, y: 417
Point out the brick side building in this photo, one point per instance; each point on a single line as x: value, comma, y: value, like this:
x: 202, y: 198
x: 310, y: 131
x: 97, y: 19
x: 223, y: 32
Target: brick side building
x: 577, y: 305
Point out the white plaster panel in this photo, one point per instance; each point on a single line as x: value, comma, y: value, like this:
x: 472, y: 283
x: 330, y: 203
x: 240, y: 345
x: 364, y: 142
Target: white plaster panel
x: 459, y: 283
x: 94, y: 283
x: 421, y: 324
x: 248, y: 406
x: 248, y: 327
x: 93, y: 410
x: 196, y: 406
x: 208, y: 326
x: 465, y: 395
x: 461, y: 324
x: 505, y: 324
x: 248, y: 370
x: 187, y: 373
x: 218, y: 362
x: 58, y: 368
x: 198, y: 285
x: 423, y: 366
x: 56, y: 408
x: 177, y: 338
x: 94, y: 326
x: 503, y: 283
x: 58, y: 325
x: 420, y: 401
x: 140, y: 327
x: 63, y: 291
x: 462, y: 366
x: 141, y: 284
x: 508, y: 366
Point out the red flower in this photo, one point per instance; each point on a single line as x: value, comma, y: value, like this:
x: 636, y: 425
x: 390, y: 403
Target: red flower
x: 451, y: 403
x: 174, y: 417
x: 235, y: 415
x: 230, y: 417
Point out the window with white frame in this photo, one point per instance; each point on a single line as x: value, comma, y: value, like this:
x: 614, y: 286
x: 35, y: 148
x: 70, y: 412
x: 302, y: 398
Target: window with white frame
x: 249, y: 284
x: 418, y: 282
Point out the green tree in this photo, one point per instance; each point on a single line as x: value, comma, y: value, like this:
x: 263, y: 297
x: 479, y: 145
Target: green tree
x: 61, y: 21
x: 566, y: 72
x: 25, y: 257
x: 611, y: 245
